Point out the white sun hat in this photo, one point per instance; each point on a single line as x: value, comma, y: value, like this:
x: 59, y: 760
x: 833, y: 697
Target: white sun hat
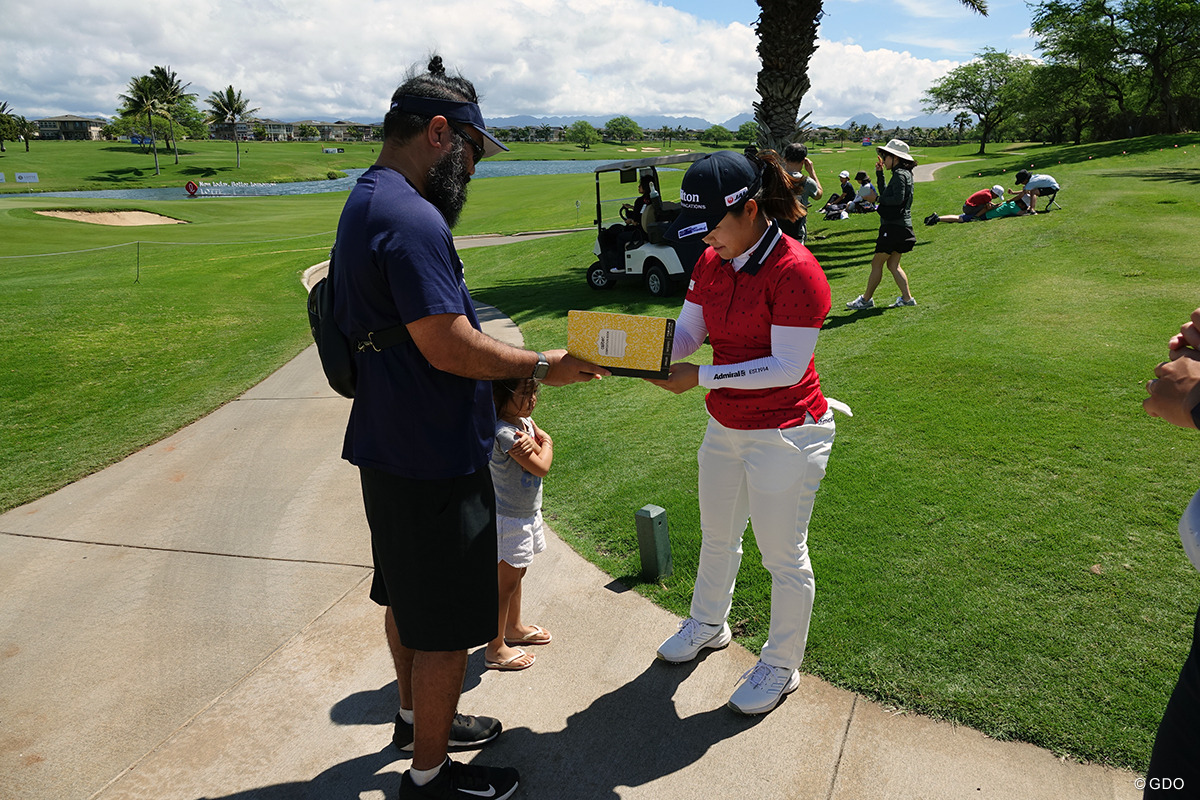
x: 897, y: 148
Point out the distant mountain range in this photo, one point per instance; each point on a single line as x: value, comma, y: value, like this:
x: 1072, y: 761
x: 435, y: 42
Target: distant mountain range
x: 653, y: 122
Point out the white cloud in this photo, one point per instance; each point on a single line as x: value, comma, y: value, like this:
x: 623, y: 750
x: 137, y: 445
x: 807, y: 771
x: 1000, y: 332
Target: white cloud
x: 848, y: 80
x: 337, y: 59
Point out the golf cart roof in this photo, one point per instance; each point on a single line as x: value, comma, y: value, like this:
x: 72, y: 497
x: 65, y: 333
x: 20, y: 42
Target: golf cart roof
x: 656, y: 161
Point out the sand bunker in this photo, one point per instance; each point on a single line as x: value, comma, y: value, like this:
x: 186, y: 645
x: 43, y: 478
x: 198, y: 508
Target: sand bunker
x: 114, y: 217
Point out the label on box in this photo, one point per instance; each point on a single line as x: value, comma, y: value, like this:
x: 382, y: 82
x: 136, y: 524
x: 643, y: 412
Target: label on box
x: 626, y: 344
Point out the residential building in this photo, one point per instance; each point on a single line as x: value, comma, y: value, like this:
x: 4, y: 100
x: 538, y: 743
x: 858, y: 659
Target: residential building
x: 69, y: 126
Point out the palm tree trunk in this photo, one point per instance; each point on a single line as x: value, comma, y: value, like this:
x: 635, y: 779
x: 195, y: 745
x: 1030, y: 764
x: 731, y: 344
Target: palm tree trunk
x: 174, y: 141
x: 153, y: 143
x: 787, y: 39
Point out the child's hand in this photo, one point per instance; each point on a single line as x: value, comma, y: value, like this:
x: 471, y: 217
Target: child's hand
x: 523, y: 446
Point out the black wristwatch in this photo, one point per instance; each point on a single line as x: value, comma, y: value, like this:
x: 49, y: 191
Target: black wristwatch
x: 542, y: 368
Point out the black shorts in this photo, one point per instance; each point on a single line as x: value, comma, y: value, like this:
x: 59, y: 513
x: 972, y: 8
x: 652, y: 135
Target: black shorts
x: 895, y: 239
x: 434, y: 548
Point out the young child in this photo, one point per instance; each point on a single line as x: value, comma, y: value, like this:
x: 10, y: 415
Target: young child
x: 896, y: 235
x: 521, y: 457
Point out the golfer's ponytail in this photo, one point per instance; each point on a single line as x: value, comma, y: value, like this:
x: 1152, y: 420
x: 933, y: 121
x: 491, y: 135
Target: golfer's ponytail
x: 777, y: 196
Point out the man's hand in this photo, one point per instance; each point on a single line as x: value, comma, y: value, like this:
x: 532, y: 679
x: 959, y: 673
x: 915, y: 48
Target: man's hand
x: 1175, y: 390
x: 566, y: 368
x: 1188, y: 337
x: 683, y: 376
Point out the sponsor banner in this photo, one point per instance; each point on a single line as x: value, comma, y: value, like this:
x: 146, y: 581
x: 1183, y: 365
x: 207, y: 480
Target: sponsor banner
x: 27, y: 177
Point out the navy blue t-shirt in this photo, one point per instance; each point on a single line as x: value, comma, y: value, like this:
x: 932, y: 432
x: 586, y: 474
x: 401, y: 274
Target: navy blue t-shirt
x: 395, y: 253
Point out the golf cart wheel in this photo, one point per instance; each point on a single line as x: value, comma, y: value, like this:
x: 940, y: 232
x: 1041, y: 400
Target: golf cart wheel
x: 659, y: 282
x: 598, y: 277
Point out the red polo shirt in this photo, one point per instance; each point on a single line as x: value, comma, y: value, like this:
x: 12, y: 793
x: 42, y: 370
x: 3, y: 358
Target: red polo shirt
x: 980, y: 198
x: 784, y: 286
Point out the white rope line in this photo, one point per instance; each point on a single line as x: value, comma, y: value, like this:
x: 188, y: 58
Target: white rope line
x: 72, y: 252
x: 143, y: 241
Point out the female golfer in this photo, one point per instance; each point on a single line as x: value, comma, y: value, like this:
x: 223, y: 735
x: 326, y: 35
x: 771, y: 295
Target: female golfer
x: 760, y: 297
x: 896, y: 235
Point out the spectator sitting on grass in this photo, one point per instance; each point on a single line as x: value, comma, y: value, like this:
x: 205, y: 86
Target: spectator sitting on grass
x: 865, y: 198
x: 844, y: 194
x: 974, y: 209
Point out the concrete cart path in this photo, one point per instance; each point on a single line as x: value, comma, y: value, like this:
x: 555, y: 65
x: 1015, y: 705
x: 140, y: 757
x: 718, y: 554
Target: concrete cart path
x: 193, y: 622
x: 923, y: 173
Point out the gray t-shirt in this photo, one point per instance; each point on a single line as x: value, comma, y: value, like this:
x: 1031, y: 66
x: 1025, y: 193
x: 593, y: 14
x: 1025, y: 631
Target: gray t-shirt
x: 798, y: 230
x: 518, y: 492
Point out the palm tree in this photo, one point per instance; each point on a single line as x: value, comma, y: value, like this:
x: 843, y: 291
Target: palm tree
x: 961, y: 120
x: 143, y: 99
x: 228, y: 107
x: 24, y: 128
x: 787, y: 38
x: 5, y: 113
x: 170, y: 93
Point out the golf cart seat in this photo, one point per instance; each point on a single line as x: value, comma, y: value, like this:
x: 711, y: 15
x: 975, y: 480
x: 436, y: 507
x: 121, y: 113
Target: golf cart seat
x: 656, y: 218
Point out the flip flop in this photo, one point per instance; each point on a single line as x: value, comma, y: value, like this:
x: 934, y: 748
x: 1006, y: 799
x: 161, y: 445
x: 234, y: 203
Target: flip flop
x: 507, y: 664
x: 535, y: 636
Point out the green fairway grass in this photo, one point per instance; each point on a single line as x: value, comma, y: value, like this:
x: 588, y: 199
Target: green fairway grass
x: 994, y: 542
x: 90, y: 166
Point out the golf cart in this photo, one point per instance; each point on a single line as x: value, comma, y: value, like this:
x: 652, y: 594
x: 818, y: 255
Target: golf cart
x: 634, y: 249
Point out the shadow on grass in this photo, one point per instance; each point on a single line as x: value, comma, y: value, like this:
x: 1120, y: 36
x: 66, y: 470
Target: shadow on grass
x: 118, y: 175
x: 1044, y: 157
x: 847, y: 317
x: 1191, y: 176
x: 540, y: 296
x: 201, y: 172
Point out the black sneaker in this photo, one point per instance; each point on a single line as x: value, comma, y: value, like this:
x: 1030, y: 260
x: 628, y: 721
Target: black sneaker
x: 466, y: 731
x: 465, y: 781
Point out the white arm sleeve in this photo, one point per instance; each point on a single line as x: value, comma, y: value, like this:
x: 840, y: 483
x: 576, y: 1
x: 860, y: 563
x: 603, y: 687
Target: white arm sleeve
x: 791, y: 351
x: 1189, y: 531
x: 690, y: 331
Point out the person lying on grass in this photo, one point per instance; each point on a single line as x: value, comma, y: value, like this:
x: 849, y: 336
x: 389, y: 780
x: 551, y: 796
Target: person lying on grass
x: 974, y: 208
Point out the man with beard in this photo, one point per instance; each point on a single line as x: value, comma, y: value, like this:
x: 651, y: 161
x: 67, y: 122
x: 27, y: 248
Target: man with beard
x: 422, y: 423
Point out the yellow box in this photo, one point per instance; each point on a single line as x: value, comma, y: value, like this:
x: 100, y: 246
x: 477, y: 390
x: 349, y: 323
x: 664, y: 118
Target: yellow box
x: 626, y: 344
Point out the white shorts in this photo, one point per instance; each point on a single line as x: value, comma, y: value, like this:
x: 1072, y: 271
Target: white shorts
x: 518, y: 539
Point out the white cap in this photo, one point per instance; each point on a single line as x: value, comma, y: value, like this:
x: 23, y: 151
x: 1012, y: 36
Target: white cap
x: 998, y: 190
x: 844, y: 174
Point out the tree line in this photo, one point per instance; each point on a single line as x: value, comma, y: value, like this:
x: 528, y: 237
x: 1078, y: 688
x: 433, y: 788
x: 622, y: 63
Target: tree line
x: 1112, y: 69
x: 15, y: 127
x: 624, y: 129
x: 161, y: 100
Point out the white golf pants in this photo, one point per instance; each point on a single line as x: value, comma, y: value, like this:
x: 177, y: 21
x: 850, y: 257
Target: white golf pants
x: 768, y: 477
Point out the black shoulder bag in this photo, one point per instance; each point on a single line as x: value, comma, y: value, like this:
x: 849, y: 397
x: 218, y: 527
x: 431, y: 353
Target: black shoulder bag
x: 334, y: 347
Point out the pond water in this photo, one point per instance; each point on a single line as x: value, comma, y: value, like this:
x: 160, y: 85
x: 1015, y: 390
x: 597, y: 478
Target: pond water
x: 485, y: 169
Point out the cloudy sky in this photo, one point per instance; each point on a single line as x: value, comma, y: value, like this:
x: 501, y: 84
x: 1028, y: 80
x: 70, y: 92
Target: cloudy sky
x: 336, y: 59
